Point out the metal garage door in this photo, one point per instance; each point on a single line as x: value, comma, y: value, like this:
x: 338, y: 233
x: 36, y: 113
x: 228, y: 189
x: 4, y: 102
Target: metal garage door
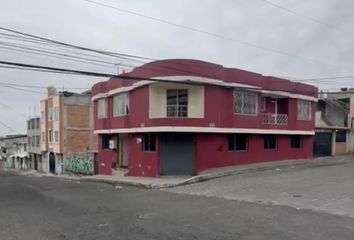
x: 323, y: 144
x: 176, y: 154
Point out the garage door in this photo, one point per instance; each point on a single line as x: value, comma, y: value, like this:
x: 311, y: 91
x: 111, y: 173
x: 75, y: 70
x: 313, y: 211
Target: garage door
x: 323, y: 144
x: 176, y: 154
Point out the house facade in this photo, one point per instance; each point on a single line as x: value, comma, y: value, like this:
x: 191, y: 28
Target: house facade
x: 34, y: 141
x: 334, y: 123
x: 180, y: 117
x: 14, y: 151
x: 67, y: 139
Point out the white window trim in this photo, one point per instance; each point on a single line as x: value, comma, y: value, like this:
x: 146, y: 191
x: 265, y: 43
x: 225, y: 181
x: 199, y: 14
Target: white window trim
x: 104, y: 111
x: 245, y: 114
x: 50, y: 114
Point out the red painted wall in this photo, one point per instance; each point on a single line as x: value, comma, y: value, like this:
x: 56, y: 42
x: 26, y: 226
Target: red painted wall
x: 105, y: 158
x: 212, y: 151
x: 142, y: 163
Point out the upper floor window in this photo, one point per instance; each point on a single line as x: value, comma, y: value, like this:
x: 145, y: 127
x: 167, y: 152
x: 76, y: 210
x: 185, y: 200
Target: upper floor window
x: 42, y: 117
x: 245, y: 103
x: 101, y: 108
x: 50, y: 114
x: 177, y: 102
x: 55, y: 114
x: 303, y: 110
x: 120, y: 105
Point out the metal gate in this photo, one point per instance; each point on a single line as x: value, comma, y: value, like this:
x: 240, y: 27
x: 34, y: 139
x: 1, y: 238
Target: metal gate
x: 323, y: 144
x: 177, y: 154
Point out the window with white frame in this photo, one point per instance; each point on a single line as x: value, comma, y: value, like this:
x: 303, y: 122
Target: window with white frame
x: 177, y: 102
x: 120, y: 105
x: 50, y: 114
x: 101, y: 108
x: 55, y: 114
x: 245, y: 102
x: 303, y: 110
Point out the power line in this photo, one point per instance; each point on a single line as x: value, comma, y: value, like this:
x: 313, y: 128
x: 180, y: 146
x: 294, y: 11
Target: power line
x: 8, y: 127
x: 34, y: 86
x: 194, y: 29
x: 304, y: 16
x: 112, y: 54
x: 12, y: 109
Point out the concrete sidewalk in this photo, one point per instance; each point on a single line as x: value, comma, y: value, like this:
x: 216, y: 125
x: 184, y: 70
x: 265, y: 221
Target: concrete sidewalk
x: 168, y: 182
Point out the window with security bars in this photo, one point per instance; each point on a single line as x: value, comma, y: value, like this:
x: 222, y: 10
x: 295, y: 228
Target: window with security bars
x: 120, y: 105
x: 177, y: 103
x: 245, y: 103
x: 303, y: 110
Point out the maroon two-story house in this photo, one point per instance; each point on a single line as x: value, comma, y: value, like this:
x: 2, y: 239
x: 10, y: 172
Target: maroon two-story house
x: 180, y: 117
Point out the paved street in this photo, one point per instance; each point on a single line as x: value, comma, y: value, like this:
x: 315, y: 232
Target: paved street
x: 327, y: 188
x: 36, y: 208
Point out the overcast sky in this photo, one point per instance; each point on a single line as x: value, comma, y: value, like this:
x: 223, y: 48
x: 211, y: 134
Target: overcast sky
x: 298, y: 47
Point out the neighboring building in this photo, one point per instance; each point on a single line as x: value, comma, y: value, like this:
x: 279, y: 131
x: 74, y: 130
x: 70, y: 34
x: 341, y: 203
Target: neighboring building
x: 334, y: 123
x: 201, y: 116
x: 34, y: 141
x: 66, y: 130
x: 14, y: 150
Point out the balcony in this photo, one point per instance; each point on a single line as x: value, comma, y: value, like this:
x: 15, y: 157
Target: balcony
x: 275, y: 119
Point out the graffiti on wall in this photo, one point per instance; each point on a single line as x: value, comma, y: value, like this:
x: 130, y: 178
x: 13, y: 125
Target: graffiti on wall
x: 82, y: 163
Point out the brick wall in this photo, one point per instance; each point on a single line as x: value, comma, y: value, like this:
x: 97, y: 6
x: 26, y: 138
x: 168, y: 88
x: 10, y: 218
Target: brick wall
x: 78, y: 116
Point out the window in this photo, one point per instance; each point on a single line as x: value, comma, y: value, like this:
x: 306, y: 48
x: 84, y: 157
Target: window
x: 105, y: 141
x: 33, y: 123
x: 50, y: 135
x: 237, y: 142
x: 270, y: 142
x: 245, y: 103
x: 28, y: 124
x: 50, y: 114
x: 43, y: 136
x: 101, y: 108
x: 295, y: 142
x: 341, y: 136
x: 149, y: 142
x: 177, y: 102
x: 42, y: 117
x: 303, y: 110
x: 33, y: 141
x: 56, y: 136
x: 264, y: 103
x: 29, y: 140
x: 120, y: 105
x: 55, y: 114
x: 37, y: 141
x: 38, y: 123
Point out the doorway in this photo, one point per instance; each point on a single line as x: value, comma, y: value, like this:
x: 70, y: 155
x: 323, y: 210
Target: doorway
x: 51, y: 162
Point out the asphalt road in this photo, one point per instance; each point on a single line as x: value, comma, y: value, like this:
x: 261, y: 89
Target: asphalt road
x: 322, y: 187
x: 33, y: 208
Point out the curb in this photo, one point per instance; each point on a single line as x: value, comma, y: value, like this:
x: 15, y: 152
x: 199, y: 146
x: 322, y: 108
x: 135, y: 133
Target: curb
x: 257, y: 167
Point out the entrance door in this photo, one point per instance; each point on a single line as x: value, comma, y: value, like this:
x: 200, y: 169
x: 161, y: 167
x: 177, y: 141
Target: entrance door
x: 323, y: 144
x: 51, y: 162
x: 177, y: 154
x: 123, y: 150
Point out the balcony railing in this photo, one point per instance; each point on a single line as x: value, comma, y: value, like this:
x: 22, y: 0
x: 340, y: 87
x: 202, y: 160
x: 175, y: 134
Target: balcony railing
x: 275, y: 119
